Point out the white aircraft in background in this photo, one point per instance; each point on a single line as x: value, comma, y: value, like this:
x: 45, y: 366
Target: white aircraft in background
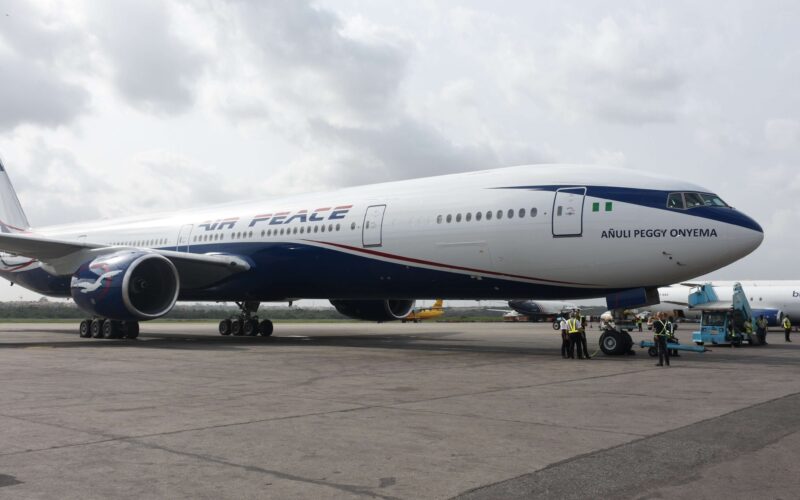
x: 773, y: 299
x: 536, y: 310
x: 541, y: 232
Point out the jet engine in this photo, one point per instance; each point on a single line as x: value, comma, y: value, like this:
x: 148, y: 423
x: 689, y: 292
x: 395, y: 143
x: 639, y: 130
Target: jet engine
x: 774, y: 317
x: 374, y: 310
x: 126, y: 285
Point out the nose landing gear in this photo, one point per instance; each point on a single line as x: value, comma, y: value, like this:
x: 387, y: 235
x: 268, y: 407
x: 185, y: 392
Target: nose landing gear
x: 246, y: 323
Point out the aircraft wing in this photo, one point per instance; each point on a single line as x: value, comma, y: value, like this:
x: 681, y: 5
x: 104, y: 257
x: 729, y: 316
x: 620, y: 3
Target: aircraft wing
x: 64, y: 257
x: 675, y: 302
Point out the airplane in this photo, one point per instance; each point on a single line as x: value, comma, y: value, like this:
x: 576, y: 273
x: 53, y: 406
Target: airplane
x: 536, y: 310
x: 541, y: 232
x: 773, y: 299
x: 434, y: 311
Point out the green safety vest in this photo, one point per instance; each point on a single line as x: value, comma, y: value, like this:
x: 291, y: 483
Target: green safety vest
x: 659, y: 331
x: 572, y: 323
x: 787, y: 323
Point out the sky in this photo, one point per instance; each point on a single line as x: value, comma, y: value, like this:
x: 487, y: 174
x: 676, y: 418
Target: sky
x: 111, y: 108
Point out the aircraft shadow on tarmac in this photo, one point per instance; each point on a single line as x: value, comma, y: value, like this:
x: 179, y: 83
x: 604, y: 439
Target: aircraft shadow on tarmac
x: 433, y: 342
x: 429, y: 341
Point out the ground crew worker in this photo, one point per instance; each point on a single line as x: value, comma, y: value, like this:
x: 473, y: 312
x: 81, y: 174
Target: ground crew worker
x: 583, y: 339
x: 573, y: 327
x: 564, y: 337
x: 761, y: 329
x: 639, y: 322
x: 671, y: 327
x: 787, y: 328
x: 660, y: 339
x: 748, y: 328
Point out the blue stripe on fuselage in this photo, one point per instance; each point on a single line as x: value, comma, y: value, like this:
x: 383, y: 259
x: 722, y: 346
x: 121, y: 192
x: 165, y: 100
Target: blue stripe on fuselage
x: 653, y: 198
x: 286, y: 270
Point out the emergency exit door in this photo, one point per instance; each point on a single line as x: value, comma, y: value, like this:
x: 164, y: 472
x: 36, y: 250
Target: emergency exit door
x: 372, y: 230
x: 568, y: 212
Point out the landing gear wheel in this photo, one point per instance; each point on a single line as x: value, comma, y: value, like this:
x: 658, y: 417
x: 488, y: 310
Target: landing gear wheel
x: 556, y: 325
x: 250, y: 327
x: 111, y: 329
x: 85, y: 329
x: 265, y: 328
x: 613, y: 343
x: 131, y: 329
x: 225, y: 327
x: 236, y: 327
x: 652, y: 351
x: 97, y: 328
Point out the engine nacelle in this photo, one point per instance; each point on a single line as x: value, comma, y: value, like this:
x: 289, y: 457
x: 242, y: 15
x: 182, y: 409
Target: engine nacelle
x: 773, y: 316
x: 374, y: 310
x: 126, y: 285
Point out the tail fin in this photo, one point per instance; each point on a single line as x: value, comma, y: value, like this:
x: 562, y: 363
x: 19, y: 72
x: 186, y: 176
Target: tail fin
x: 437, y: 304
x: 12, y: 217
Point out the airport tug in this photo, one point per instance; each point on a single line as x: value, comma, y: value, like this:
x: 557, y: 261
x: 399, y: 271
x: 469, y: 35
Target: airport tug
x: 723, y: 322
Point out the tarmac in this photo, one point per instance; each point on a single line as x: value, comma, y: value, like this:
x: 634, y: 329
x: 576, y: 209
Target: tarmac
x: 364, y: 410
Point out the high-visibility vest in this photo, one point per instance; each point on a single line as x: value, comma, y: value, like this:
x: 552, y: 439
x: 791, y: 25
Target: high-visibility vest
x: 572, y: 323
x: 669, y: 328
x: 659, y: 331
x: 786, y: 323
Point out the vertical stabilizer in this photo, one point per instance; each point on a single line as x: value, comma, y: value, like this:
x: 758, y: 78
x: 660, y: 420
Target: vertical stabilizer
x: 12, y: 217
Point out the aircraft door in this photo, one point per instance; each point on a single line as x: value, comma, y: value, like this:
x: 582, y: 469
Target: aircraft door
x: 372, y: 230
x: 568, y: 212
x: 184, y: 237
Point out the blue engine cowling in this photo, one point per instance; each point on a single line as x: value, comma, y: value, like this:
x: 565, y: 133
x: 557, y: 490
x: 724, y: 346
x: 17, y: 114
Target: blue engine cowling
x: 374, y: 310
x: 774, y: 317
x: 126, y: 285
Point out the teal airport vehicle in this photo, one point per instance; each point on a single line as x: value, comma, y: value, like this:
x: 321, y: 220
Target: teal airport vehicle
x: 723, y: 321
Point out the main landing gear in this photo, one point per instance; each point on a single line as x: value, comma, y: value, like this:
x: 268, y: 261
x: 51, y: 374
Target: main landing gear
x: 100, y: 328
x: 246, y: 323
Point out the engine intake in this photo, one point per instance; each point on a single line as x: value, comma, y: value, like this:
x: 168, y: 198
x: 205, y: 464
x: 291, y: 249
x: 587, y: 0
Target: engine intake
x: 127, y: 285
x: 374, y: 310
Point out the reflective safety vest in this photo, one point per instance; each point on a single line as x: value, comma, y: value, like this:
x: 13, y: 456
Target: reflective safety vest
x: 786, y: 323
x: 659, y: 328
x: 669, y: 328
x: 572, y: 323
x: 762, y: 324
x: 748, y: 328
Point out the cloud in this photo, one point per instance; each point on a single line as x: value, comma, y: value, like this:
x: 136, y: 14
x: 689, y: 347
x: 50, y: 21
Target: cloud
x: 38, y: 52
x: 151, y: 66
x: 33, y: 93
x: 782, y: 134
x: 619, y: 70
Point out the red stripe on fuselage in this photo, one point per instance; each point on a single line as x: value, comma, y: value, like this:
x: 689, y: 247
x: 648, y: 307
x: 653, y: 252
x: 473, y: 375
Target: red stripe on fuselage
x: 447, y: 266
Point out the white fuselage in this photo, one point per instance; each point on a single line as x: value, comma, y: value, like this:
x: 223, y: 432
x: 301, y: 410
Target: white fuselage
x: 524, y: 229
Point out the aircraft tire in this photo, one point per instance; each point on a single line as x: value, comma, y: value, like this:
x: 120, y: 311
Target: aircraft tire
x: 110, y: 329
x: 131, y: 329
x: 97, y: 328
x: 652, y: 351
x: 85, y: 329
x: 236, y: 327
x: 556, y: 325
x: 265, y: 328
x: 250, y: 327
x: 225, y: 327
x: 612, y: 343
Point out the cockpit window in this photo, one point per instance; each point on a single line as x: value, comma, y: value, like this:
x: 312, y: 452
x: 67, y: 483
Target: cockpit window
x: 675, y: 200
x: 683, y: 201
x: 693, y: 200
x: 712, y: 200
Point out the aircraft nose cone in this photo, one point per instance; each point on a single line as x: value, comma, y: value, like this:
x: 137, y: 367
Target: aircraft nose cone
x: 748, y: 237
